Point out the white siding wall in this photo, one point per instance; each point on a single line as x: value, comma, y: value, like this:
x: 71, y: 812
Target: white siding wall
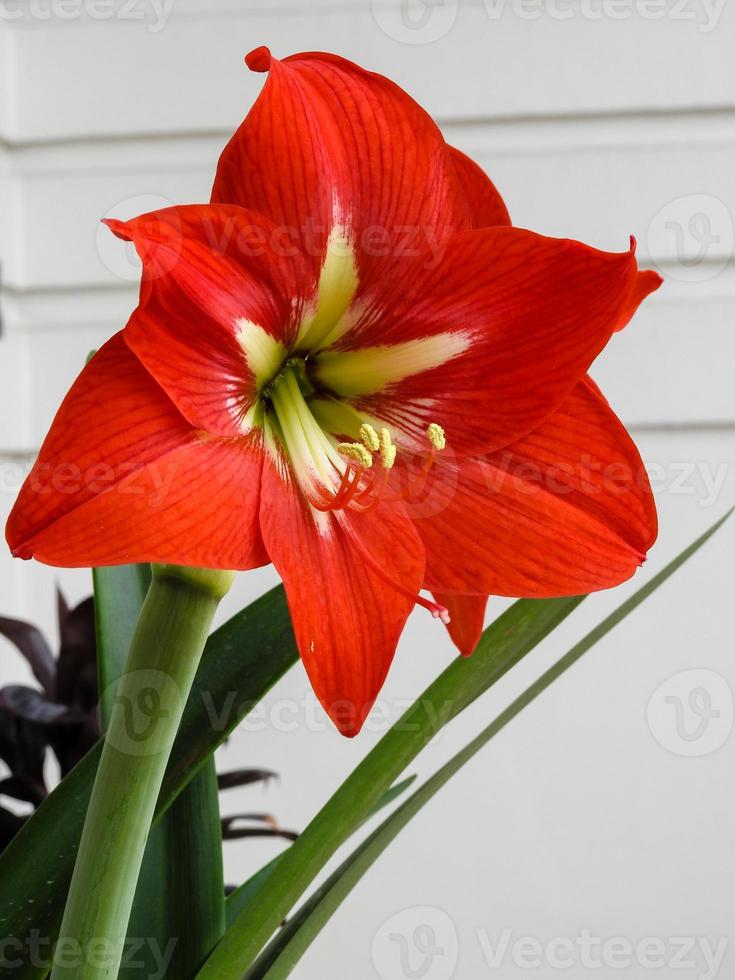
x: 593, y: 127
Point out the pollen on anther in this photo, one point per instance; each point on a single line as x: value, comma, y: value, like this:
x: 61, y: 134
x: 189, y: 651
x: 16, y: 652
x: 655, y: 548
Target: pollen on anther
x: 369, y: 437
x: 387, y: 449
x: 435, y: 435
x: 357, y: 452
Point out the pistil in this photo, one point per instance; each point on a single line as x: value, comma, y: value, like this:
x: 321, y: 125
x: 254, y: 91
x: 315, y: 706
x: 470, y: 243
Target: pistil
x: 315, y: 459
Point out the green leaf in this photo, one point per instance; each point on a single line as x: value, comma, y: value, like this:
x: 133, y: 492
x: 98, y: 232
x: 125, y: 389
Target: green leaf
x: 179, y: 914
x: 391, y: 795
x: 148, y: 928
x: 194, y: 874
x: 241, y: 661
x: 291, y: 942
x: 247, y: 891
x: 119, y: 592
x: 513, y: 635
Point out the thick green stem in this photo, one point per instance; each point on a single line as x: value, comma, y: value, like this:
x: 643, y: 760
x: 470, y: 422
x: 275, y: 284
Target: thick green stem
x: 150, y: 699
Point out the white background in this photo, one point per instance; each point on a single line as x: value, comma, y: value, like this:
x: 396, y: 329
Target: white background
x: 597, y: 119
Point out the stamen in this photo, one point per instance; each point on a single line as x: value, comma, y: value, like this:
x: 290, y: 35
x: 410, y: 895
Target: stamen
x: 357, y: 452
x: 338, y: 477
x: 343, y: 495
x: 374, y: 493
x: 436, y: 437
x: 437, y: 611
x: 369, y: 437
x: 387, y: 449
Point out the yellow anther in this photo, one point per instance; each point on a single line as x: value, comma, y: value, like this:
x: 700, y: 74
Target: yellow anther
x: 357, y: 452
x: 387, y: 449
x: 435, y: 435
x: 369, y: 437
x: 388, y: 457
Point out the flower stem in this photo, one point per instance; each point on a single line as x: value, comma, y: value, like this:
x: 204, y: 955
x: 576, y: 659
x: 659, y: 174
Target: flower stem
x: 164, y: 655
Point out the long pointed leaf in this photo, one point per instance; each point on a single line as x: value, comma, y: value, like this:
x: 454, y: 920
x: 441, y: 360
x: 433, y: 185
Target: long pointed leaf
x: 194, y: 878
x: 119, y: 592
x: 241, y: 661
x: 513, y: 635
x: 288, y: 946
x: 242, y: 895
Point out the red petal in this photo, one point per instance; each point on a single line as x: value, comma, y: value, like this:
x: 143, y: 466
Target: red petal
x: 206, y: 270
x: 346, y: 619
x: 565, y: 510
x: 467, y: 619
x: 122, y: 477
x: 645, y: 283
x: 328, y: 142
x: 532, y: 313
x: 487, y: 207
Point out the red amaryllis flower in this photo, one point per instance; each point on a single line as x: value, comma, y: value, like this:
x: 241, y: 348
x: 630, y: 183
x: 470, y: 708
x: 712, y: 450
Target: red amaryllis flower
x: 352, y: 366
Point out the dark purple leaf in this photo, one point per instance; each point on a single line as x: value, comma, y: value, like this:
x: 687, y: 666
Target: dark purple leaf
x: 242, y: 777
x: 10, y: 824
x: 31, y: 705
x: 71, y: 743
x: 62, y: 609
x: 22, y: 746
x: 32, y: 644
x: 232, y: 832
x: 23, y: 788
x: 76, y: 675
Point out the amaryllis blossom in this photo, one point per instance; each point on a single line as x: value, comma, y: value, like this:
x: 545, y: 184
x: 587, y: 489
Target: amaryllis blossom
x: 350, y: 365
